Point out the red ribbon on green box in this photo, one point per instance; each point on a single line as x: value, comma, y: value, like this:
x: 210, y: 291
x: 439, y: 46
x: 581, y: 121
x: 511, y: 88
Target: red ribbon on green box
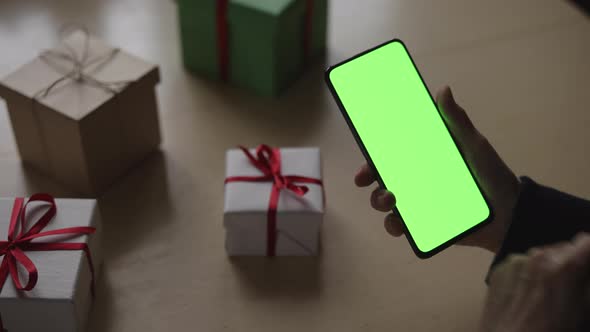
x: 223, y: 55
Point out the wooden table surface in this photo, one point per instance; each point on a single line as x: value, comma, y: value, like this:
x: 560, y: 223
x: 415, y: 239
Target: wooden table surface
x: 520, y: 68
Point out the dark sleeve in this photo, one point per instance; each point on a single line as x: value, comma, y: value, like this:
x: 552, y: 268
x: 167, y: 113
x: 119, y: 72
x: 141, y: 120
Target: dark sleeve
x: 584, y: 5
x: 543, y: 216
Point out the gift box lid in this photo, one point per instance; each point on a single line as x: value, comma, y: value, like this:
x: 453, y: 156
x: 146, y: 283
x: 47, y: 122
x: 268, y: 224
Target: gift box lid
x: 58, y: 271
x: 70, y: 97
x: 248, y: 197
x: 273, y: 7
x: 260, y: 20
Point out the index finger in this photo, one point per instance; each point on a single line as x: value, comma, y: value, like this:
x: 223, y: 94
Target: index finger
x: 454, y: 115
x: 578, y: 257
x: 365, y: 176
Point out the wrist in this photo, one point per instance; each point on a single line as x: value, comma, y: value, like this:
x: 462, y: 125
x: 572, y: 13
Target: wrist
x: 504, y: 216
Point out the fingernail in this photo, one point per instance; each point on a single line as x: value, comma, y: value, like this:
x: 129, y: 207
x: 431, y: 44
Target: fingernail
x: 583, y: 237
x: 385, y: 199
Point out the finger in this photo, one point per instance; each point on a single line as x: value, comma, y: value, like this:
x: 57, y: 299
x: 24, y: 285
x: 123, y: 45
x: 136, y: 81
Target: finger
x: 454, y: 115
x: 582, y: 241
x: 393, y: 225
x: 576, y: 258
x: 558, y: 252
x: 565, y: 261
x: 507, y: 279
x: 365, y: 176
x: 512, y: 268
x: 526, y: 284
x: 382, y: 200
x: 555, y: 248
x: 542, y: 265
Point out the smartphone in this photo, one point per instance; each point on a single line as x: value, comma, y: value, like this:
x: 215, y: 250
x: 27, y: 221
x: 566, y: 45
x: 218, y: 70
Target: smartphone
x: 404, y: 138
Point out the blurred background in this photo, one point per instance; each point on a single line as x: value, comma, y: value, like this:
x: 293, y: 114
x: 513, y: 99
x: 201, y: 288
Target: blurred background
x: 519, y: 68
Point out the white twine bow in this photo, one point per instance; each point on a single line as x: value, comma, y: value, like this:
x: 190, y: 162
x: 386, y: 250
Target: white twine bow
x: 80, y: 64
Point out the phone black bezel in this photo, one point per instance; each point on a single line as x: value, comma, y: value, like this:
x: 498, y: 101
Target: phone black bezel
x: 421, y: 254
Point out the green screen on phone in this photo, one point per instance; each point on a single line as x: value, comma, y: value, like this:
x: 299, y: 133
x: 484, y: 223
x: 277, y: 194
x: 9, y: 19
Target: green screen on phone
x: 398, y: 126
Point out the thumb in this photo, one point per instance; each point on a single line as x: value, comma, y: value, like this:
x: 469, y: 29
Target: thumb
x: 454, y: 115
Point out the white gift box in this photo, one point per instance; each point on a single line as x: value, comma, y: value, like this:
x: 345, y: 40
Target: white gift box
x: 299, y: 218
x: 62, y: 298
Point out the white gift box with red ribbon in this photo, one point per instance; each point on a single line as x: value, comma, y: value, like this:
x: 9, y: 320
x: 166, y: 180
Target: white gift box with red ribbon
x: 299, y: 215
x: 62, y: 297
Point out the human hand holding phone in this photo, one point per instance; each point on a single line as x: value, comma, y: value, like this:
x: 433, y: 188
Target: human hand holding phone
x: 545, y: 290
x: 497, y: 180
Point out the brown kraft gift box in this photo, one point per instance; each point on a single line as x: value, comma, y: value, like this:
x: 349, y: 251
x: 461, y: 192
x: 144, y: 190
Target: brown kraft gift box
x: 83, y: 112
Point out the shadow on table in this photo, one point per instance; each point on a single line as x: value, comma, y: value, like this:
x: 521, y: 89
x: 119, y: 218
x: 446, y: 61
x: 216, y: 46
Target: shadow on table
x: 103, y: 308
x: 298, y: 112
x: 292, y: 278
x: 37, y: 182
x: 137, y: 207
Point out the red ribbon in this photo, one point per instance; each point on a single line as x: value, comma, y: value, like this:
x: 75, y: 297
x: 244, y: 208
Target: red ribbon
x: 223, y: 35
x: 20, y: 241
x: 268, y: 161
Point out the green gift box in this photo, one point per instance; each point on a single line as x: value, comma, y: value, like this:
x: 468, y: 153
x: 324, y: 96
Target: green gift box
x: 260, y: 45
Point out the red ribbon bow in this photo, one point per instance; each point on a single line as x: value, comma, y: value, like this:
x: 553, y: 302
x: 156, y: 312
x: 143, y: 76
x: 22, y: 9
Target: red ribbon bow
x: 268, y: 161
x: 223, y: 35
x: 20, y: 241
